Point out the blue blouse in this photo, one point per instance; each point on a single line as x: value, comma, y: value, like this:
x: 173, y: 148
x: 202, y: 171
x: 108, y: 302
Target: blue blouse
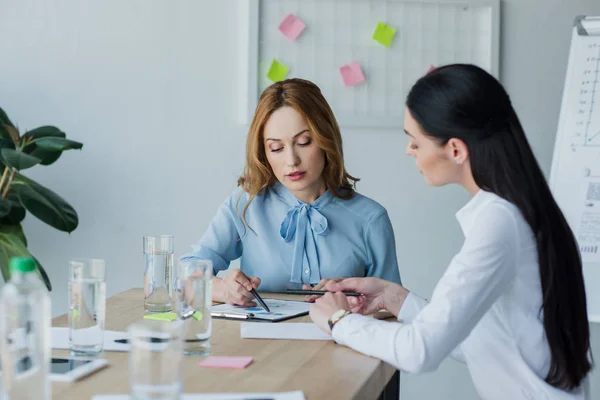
x: 291, y: 242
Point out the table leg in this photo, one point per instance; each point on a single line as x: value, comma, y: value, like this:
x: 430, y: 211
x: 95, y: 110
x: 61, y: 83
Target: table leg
x: 392, y: 389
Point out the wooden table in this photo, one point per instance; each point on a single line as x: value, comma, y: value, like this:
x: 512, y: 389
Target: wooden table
x: 321, y: 369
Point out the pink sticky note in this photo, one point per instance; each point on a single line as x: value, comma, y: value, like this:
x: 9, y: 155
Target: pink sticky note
x: 226, y: 362
x: 431, y: 68
x: 292, y: 27
x: 352, y: 74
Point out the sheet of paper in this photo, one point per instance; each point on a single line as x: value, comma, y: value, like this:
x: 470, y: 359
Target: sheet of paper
x: 226, y: 362
x: 279, y: 309
x: 277, y: 71
x: 295, y: 395
x: 60, y: 340
x: 295, y: 331
x: 292, y: 27
x: 352, y: 74
x: 384, y: 34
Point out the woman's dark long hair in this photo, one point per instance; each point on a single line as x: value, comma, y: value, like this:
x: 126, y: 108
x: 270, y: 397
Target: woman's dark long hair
x: 465, y: 102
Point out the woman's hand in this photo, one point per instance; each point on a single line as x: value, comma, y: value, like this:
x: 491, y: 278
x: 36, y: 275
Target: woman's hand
x: 325, y: 306
x: 377, y: 294
x: 323, y: 285
x: 235, y: 288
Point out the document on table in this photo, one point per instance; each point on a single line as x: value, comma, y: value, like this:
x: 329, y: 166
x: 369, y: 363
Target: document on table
x: 285, y: 330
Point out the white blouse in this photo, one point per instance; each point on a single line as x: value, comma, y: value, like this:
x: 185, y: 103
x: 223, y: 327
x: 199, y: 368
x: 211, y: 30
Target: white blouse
x: 484, y: 311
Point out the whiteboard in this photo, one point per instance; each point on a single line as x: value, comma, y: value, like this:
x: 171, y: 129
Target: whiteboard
x: 575, y: 171
x: 340, y: 32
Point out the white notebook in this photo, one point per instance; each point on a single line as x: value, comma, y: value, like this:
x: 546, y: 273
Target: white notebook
x: 60, y: 340
x: 285, y: 330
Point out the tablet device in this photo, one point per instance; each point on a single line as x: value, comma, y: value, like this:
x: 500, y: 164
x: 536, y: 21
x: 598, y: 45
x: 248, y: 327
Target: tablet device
x: 67, y: 369
x: 62, y: 369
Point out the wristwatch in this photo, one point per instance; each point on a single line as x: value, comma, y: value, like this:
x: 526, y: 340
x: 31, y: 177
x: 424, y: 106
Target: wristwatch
x: 336, y: 316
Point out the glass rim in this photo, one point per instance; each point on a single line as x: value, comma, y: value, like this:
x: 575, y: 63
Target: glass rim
x: 184, y: 265
x: 158, y: 236
x: 95, y: 266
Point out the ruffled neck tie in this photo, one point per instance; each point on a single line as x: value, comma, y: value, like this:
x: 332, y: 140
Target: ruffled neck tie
x: 302, y: 223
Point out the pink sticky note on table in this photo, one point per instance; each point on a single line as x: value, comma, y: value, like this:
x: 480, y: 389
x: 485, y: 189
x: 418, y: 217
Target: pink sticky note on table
x: 226, y: 362
x: 352, y: 74
x: 292, y: 27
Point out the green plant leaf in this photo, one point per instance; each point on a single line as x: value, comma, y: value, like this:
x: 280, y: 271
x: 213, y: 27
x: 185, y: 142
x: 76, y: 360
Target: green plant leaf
x: 4, y: 120
x: 11, y: 245
x: 46, y: 205
x: 47, y: 156
x: 57, y: 144
x: 43, y: 275
x: 5, y: 144
x: 44, y: 131
x: 5, y: 207
x: 17, y: 211
x: 18, y: 159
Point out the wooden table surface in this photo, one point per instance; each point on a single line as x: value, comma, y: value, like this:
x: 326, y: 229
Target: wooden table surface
x: 321, y: 369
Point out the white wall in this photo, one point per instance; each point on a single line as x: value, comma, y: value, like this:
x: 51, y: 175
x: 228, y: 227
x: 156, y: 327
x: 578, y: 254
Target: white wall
x: 152, y: 89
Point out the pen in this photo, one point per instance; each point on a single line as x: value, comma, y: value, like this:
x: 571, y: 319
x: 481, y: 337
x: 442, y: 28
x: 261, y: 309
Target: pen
x: 260, y: 301
x: 318, y: 292
x: 151, y: 340
x: 232, y: 315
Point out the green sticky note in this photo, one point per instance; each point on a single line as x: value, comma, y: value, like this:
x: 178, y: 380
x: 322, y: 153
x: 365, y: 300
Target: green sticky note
x: 166, y: 316
x: 278, y: 71
x: 198, y: 316
x: 74, y: 313
x: 384, y: 34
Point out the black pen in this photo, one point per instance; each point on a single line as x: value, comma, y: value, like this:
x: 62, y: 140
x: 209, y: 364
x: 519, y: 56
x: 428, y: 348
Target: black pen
x: 260, y: 301
x: 318, y: 292
x: 151, y: 340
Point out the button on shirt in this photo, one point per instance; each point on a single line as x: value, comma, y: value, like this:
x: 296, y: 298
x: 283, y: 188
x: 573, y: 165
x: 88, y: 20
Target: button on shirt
x: 290, y: 243
x: 484, y: 311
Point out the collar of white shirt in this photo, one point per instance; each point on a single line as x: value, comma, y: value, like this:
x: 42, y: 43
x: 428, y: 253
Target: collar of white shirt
x: 467, y: 215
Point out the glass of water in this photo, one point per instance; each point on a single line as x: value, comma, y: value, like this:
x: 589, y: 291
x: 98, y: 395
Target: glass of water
x: 193, y: 300
x: 87, y: 306
x: 158, y: 270
x: 155, y: 360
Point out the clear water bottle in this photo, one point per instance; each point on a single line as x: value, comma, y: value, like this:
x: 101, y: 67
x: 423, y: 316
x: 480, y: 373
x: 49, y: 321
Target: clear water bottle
x: 25, y: 345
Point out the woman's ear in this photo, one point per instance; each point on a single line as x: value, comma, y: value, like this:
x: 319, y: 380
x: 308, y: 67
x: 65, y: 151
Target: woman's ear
x: 458, y: 151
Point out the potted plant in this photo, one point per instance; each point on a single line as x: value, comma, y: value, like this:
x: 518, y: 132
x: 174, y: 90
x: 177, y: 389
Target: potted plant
x: 19, y: 194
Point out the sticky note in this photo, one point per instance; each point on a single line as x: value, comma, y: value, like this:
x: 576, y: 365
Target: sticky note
x: 384, y: 34
x: 278, y: 71
x: 197, y: 316
x: 431, y: 68
x: 226, y: 362
x: 352, y: 74
x: 74, y: 313
x: 292, y: 27
x: 166, y: 316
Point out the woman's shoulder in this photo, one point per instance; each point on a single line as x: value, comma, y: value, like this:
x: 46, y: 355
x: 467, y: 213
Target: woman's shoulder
x: 501, y: 214
x: 361, y: 206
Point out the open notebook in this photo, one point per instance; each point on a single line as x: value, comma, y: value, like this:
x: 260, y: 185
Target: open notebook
x: 281, y: 310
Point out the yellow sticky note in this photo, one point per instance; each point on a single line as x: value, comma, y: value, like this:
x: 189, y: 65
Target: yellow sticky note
x: 277, y: 71
x: 198, y: 316
x: 166, y: 316
x: 384, y: 34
